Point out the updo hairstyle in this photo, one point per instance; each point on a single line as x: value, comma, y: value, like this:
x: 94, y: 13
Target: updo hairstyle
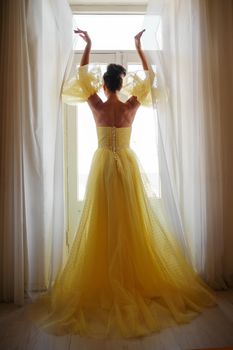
x: 113, y: 77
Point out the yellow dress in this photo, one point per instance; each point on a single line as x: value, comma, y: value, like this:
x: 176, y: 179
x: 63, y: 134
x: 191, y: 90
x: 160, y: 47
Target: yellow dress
x: 125, y: 275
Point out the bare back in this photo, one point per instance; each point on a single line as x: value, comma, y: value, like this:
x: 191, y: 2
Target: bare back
x: 113, y: 112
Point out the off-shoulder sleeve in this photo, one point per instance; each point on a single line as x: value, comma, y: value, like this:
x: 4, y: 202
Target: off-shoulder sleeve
x: 139, y: 84
x: 86, y: 82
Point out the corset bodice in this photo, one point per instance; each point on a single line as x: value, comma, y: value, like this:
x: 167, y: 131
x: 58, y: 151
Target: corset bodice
x: 113, y: 138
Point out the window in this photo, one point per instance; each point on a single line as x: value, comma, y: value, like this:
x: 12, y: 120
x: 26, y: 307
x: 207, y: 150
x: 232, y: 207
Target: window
x: 80, y: 133
x: 104, y: 28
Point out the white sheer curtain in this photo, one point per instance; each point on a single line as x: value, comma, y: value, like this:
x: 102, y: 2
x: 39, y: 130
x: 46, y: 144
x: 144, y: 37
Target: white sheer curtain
x: 36, y: 42
x: 194, y: 110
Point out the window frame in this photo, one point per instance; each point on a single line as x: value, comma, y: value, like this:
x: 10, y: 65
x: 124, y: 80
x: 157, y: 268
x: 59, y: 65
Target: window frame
x: 106, y: 9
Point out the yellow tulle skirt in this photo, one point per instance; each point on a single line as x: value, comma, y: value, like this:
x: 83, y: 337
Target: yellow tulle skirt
x: 125, y: 275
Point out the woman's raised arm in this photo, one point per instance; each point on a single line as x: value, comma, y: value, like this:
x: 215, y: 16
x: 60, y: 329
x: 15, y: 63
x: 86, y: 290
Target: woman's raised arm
x: 142, y: 56
x: 86, y: 52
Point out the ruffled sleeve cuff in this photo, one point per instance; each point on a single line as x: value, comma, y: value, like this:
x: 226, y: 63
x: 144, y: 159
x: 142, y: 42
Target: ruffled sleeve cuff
x: 86, y: 82
x: 139, y: 84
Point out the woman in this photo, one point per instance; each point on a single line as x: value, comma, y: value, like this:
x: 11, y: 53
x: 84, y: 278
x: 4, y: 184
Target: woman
x: 125, y: 275
x: 112, y: 112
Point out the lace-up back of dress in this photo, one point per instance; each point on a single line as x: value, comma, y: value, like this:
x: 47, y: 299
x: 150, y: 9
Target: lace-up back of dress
x: 113, y: 138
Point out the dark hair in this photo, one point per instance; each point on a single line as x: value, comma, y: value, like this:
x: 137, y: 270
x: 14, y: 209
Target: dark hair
x: 113, y: 77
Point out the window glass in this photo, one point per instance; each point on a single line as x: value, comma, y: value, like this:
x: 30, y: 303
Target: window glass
x: 144, y: 141
x: 108, y: 32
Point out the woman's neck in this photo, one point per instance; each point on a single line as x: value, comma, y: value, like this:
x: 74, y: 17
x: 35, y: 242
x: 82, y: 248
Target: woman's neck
x: 112, y: 96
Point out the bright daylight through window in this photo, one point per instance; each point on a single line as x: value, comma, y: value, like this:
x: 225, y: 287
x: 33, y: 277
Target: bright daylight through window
x: 108, y: 32
x: 113, y: 40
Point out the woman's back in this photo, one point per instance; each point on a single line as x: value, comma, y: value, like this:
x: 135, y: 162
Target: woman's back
x: 114, y: 112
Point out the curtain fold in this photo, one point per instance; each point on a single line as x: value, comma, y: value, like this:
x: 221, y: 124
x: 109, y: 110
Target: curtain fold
x: 217, y: 56
x: 12, y: 220
x: 36, y: 43
x: 194, y: 108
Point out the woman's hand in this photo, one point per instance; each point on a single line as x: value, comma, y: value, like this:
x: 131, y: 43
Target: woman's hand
x: 137, y: 39
x: 139, y: 49
x: 86, y: 52
x: 83, y: 35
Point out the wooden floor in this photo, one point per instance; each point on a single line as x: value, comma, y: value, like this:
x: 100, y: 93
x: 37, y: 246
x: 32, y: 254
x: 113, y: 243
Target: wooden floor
x: 211, y: 330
